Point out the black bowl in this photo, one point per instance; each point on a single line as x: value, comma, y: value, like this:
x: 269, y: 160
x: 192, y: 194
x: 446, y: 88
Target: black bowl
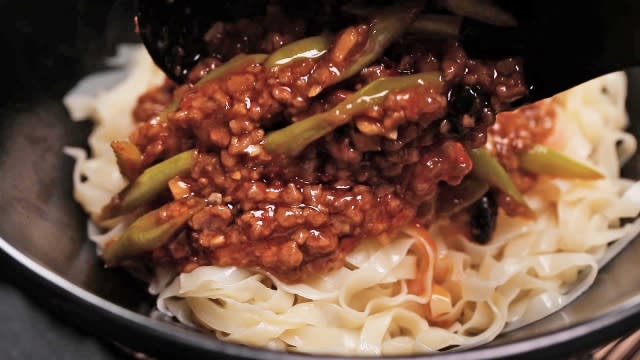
x: 47, y: 48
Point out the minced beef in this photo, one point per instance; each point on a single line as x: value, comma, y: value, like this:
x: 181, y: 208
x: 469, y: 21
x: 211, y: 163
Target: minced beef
x: 295, y: 216
x: 513, y: 134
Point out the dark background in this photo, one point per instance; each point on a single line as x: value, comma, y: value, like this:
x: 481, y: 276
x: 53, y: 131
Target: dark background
x: 31, y: 329
x: 43, y: 39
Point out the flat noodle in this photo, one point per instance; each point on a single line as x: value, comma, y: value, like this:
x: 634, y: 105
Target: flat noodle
x: 528, y: 270
x: 98, y: 178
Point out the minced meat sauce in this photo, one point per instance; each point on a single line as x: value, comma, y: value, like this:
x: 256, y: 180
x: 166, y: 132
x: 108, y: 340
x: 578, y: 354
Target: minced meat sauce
x: 294, y: 216
x: 514, y: 133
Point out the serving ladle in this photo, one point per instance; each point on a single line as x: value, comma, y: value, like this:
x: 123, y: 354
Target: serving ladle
x: 563, y: 43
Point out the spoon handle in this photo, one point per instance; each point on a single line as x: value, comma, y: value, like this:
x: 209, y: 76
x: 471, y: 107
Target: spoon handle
x: 564, y: 43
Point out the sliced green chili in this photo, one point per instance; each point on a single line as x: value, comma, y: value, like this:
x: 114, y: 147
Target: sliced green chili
x: 481, y: 10
x: 307, y: 48
x: 294, y: 138
x: 234, y: 64
x: 544, y: 161
x: 452, y: 199
x: 487, y: 168
x: 437, y: 26
x: 128, y: 157
x: 387, y: 26
x: 152, y: 230
x: 150, y: 183
x: 173, y: 106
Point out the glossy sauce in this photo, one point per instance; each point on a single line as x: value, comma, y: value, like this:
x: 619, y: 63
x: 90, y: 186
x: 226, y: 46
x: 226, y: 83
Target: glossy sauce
x: 302, y: 215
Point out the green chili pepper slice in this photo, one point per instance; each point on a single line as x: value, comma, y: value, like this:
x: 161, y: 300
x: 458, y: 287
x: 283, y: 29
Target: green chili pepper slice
x: 487, y: 168
x: 387, y: 26
x: 152, y: 230
x: 437, y: 26
x: 544, y: 161
x: 294, y: 138
x: 149, y: 184
x: 234, y: 64
x: 128, y: 157
x: 481, y: 10
x: 451, y: 199
x: 307, y: 48
x: 173, y: 106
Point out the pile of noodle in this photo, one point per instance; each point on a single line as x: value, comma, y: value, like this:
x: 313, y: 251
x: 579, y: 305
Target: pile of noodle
x: 529, y: 269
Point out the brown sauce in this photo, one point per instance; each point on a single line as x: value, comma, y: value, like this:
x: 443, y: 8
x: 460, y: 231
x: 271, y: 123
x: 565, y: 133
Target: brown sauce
x: 302, y: 215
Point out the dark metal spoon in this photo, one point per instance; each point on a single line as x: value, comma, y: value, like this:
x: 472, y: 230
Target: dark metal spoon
x: 563, y: 43
x: 173, y: 30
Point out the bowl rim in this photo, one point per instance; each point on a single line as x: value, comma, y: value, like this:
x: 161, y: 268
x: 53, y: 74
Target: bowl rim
x: 113, y: 317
